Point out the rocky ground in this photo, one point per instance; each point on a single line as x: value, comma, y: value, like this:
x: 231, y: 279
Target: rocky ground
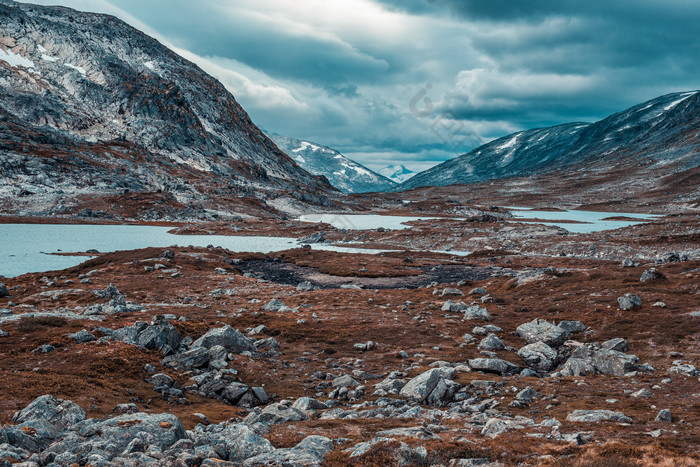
x: 539, y: 348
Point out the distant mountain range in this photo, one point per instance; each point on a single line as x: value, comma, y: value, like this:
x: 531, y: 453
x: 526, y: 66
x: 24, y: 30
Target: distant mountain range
x: 343, y: 173
x: 397, y: 173
x: 93, y: 112
x: 660, y: 133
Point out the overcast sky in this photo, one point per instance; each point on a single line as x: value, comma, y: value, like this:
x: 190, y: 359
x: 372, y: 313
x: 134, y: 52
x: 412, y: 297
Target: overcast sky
x: 421, y: 81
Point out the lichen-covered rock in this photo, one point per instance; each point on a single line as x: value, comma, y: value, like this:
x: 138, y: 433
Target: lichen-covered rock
x: 592, y: 416
x: 231, y: 339
x: 494, y: 365
x: 539, y: 356
x: 309, y: 452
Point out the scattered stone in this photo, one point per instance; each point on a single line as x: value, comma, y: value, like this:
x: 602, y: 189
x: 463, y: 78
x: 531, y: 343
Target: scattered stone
x: 309, y: 452
x: 681, y: 368
x: 477, y: 291
x: 433, y: 387
x: 229, y: 338
x: 572, y: 326
x: 46, y: 348
x: 629, y: 301
x: 345, y: 381
x: 527, y: 395
x: 628, y: 263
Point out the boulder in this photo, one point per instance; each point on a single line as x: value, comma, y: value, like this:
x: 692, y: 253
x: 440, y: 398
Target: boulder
x: 539, y: 356
x: 232, y: 441
x: 275, y: 305
x: 82, y: 336
x: 617, y: 343
x: 454, y: 307
x: 274, y: 414
x: 651, y: 274
x: 196, y: 357
x: 540, y: 330
x: 591, y: 416
x: 572, y: 326
x: 421, y: 387
x: 229, y: 338
x: 494, y: 365
x: 664, y: 416
x: 309, y: 452
x: 612, y: 362
x: 491, y: 342
x: 495, y: 427
x: 59, y: 413
x: 345, y: 381
x: 3, y: 291
x: 308, y: 405
x: 629, y: 301
x: 475, y: 312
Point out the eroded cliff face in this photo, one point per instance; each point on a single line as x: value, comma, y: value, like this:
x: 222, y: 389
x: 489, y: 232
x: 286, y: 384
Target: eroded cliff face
x: 90, y: 106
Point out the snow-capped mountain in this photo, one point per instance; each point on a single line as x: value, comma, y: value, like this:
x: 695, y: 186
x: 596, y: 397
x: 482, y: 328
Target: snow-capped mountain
x: 397, y: 173
x: 660, y: 132
x: 93, y: 109
x: 343, y: 173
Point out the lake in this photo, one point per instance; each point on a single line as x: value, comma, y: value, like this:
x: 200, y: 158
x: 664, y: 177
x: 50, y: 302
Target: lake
x: 26, y: 247
x: 592, y: 221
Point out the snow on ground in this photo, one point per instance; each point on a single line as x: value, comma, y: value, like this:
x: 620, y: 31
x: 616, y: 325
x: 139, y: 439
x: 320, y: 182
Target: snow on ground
x: 357, y: 169
x: 509, y: 144
x: 306, y: 145
x: 79, y: 69
x: 15, y: 59
x: 149, y: 65
x: 300, y: 159
x: 676, y: 102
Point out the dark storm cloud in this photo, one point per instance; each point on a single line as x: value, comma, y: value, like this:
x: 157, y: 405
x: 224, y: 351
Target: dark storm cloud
x: 344, y: 74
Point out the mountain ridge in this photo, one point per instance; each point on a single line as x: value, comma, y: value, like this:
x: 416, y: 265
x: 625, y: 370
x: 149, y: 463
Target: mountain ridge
x: 660, y: 130
x: 342, y: 172
x: 87, y: 90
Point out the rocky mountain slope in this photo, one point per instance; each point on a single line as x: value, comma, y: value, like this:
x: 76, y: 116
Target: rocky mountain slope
x: 93, y: 109
x: 660, y: 135
x: 398, y: 173
x: 343, y: 173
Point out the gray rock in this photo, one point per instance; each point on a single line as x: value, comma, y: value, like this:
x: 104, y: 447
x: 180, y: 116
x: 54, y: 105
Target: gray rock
x: 491, y: 342
x: 232, y: 442
x: 59, y: 413
x: 471, y: 462
x: 309, y: 452
x: 275, y: 305
x: 617, y: 343
x: 274, y: 414
x: 539, y: 356
x: 651, y: 274
x: 475, y: 312
x: 629, y: 301
x: 451, y: 292
x: 453, y: 307
x: 642, y: 393
x: 389, y: 386
x: 664, y: 416
x: 680, y: 368
x: 494, y: 365
x: 345, y: 381
x: 160, y: 380
x: 612, y: 362
x: 366, y: 346
x: 229, y: 338
x: 540, y: 330
x: 82, y: 336
x: 628, y: 263
x: 495, y: 427
x: 477, y: 291
x: 421, y: 387
x: 197, y: 357
x: 3, y: 291
x: 306, y: 286
x: 527, y: 395
x: 572, y: 326
x: 577, y: 367
x: 308, y: 405
x: 591, y: 416
x: 46, y: 348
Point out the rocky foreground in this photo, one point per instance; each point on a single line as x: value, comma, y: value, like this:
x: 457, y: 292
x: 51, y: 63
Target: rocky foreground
x: 200, y: 356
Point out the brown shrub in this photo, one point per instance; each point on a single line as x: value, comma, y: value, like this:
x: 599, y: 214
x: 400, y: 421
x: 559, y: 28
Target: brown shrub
x: 40, y: 323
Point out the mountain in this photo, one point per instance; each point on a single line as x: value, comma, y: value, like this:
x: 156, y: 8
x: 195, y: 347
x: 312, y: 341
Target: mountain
x: 96, y: 116
x: 397, y: 173
x: 343, y: 173
x: 659, y: 135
